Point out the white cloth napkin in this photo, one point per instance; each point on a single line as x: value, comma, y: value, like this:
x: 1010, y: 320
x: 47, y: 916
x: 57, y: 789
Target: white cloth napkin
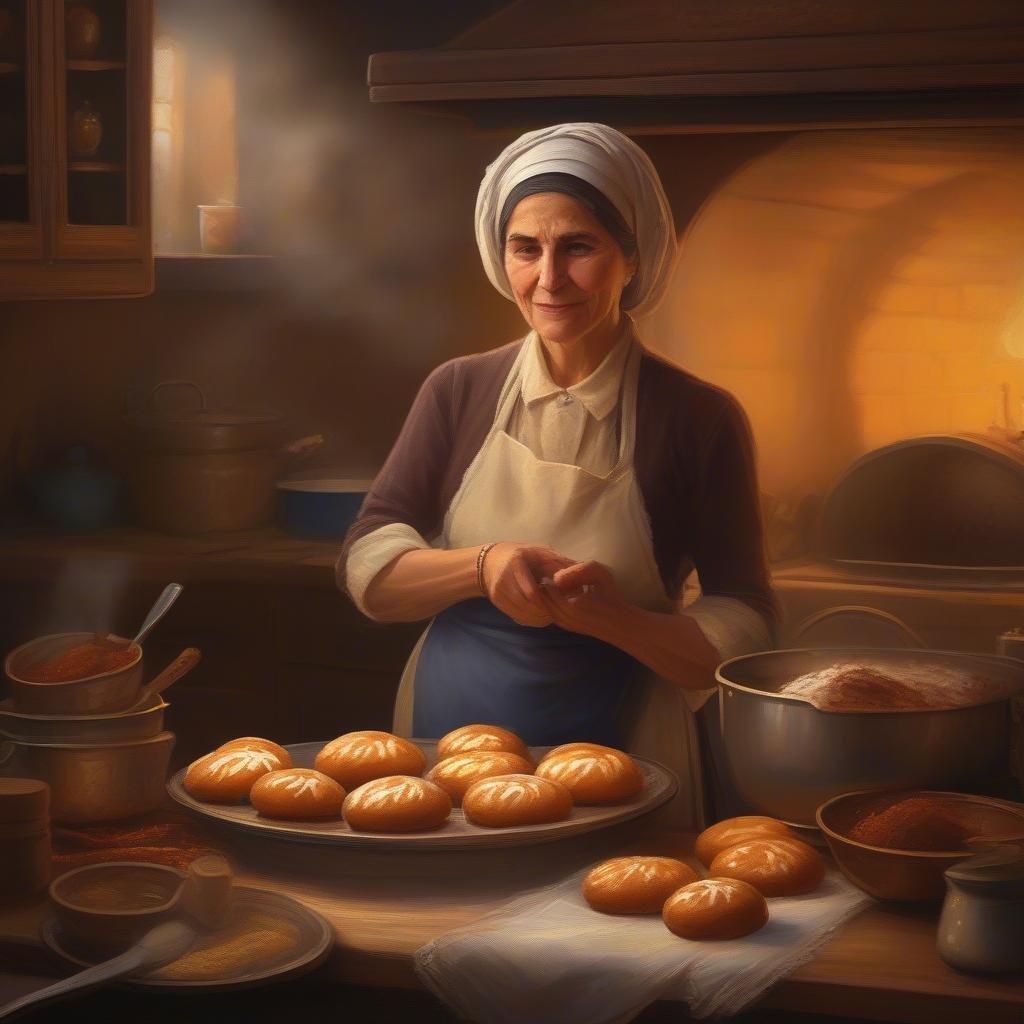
x: 548, y: 958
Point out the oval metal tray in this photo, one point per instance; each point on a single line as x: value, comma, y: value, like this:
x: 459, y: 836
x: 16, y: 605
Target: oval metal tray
x: 659, y: 787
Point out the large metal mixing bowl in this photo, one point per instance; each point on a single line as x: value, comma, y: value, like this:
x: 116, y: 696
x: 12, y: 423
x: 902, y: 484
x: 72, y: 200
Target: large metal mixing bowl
x: 785, y: 757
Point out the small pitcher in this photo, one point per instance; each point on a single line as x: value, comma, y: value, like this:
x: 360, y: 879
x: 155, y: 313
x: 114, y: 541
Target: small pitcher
x: 981, y: 929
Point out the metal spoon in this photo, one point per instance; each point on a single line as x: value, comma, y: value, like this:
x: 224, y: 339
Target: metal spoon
x: 160, y: 607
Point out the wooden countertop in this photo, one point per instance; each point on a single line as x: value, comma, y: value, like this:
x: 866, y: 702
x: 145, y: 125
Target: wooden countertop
x: 385, y: 905
x: 250, y: 555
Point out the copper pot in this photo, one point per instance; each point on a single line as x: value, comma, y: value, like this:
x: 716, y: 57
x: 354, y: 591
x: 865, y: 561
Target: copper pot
x: 93, y: 695
x: 94, y: 782
x: 202, y: 470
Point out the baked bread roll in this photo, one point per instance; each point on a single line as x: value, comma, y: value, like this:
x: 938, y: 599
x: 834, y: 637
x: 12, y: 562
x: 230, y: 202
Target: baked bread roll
x: 397, y: 803
x: 775, y: 867
x: 297, y: 793
x: 593, y: 774
x: 715, y: 908
x: 480, y: 737
x: 733, y: 831
x: 457, y: 773
x: 508, y: 800
x: 258, y: 743
x: 358, y: 757
x: 566, y: 747
x: 635, y: 885
x: 226, y: 776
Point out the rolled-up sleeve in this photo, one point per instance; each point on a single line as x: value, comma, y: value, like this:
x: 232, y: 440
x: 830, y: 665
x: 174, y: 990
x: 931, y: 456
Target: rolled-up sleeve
x: 372, y: 553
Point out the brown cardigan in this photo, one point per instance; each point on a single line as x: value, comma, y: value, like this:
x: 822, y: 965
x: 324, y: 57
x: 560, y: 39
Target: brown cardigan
x: 694, y: 463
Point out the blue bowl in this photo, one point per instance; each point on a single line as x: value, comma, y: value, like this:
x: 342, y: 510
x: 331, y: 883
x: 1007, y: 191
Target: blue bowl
x: 321, y: 509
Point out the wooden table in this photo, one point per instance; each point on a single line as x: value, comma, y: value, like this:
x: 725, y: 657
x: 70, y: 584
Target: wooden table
x: 385, y: 905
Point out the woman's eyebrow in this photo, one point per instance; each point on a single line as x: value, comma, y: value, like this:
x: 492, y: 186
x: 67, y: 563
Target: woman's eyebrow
x: 572, y: 236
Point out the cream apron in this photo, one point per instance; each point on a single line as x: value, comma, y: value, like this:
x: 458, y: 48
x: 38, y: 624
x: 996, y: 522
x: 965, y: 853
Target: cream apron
x: 510, y: 494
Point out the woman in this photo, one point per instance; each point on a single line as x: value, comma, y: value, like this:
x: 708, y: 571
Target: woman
x: 545, y: 500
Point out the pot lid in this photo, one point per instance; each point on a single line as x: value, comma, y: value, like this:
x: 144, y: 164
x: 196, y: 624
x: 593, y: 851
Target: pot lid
x: 1002, y: 862
x: 191, y: 426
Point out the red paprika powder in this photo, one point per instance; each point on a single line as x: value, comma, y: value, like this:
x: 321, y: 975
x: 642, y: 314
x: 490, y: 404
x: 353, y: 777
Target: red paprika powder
x: 923, y: 823
x: 80, y: 662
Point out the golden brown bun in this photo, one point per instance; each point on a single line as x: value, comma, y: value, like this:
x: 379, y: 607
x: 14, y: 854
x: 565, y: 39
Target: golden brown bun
x: 508, y: 800
x: 635, y: 885
x: 775, y: 867
x: 715, y: 908
x: 358, y: 757
x: 480, y: 737
x: 566, y: 747
x: 457, y: 773
x: 733, y: 831
x: 258, y: 743
x: 397, y: 803
x: 297, y: 793
x: 592, y: 773
x: 226, y: 776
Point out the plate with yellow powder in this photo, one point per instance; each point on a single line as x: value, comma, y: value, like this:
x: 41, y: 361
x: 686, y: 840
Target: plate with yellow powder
x: 267, y: 937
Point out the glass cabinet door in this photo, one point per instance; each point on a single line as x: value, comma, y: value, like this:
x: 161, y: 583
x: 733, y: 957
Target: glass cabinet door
x: 21, y: 165
x: 102, y: 144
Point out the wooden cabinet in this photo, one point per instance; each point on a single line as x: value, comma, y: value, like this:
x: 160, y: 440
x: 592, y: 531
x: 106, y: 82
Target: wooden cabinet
x: 75, y: 82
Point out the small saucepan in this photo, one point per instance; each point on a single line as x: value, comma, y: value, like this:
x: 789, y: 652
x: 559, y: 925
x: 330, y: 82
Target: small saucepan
x: 320, y: 509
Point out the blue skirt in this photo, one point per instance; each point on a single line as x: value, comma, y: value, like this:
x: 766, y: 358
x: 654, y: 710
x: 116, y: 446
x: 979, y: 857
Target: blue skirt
x: 546, y: 684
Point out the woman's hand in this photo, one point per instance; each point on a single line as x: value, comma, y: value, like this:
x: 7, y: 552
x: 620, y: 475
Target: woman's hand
x: 584, y: 598
x: 511, y: 573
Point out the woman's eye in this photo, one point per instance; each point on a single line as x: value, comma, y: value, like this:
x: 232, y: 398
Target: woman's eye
x: 580, y: 248
x: 525, y: 250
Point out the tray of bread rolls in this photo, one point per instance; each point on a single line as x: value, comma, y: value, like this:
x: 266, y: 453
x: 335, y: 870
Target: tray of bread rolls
x: 375, y: 789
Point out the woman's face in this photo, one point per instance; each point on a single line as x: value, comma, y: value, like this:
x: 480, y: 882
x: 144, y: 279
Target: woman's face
x: 566, y: 271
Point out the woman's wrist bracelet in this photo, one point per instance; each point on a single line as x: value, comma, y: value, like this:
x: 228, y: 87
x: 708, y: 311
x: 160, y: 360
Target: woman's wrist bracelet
x: 480, y: 556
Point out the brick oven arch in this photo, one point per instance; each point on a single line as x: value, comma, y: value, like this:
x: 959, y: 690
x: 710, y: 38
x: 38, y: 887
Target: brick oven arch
x: 852, y: 288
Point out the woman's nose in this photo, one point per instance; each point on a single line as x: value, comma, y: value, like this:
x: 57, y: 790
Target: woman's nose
x: 552, y: 271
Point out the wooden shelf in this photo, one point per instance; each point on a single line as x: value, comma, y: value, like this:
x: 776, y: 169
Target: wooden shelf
x: 267, y: 555
x: 13, y: 169
x: 96, y: 167
x: 202, y: 272
x: 96, y: 65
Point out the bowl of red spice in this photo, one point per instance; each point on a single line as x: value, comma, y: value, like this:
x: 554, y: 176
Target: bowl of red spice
x: 73, y: 674
x: 895, y: 845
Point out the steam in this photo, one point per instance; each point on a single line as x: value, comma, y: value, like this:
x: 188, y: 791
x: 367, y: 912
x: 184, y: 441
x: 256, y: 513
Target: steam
x: 87, y: 596
x: 368, y: 209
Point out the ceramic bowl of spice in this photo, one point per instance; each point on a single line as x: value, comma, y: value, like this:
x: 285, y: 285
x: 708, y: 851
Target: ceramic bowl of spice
x: 104, y: 908
x: 896, y: 845
x: 73, y: 674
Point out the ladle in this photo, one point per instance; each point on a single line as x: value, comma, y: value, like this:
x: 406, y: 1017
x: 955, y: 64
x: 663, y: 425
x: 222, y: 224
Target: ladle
x: 160, y: 607
x: 205, y: 899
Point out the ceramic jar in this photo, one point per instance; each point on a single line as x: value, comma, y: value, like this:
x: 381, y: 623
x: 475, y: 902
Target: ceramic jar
x: 81, y: 31
x: 85, y: 130
x: 24, y: 838
x: 981, y: 929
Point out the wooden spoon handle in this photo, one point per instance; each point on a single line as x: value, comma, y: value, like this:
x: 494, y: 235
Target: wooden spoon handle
x: 182, y: 664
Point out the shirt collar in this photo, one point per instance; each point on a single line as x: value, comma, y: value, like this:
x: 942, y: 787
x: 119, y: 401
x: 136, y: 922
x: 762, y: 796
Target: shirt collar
x: 598, y: 393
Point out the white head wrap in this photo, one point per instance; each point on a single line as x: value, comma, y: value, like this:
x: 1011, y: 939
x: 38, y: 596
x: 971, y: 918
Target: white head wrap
x: 617, y: 167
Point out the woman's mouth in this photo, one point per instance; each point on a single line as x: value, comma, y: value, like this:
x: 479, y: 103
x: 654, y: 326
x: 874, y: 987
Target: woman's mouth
x: 551, y: 307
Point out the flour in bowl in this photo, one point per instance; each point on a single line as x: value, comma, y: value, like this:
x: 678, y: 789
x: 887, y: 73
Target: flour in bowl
x: 913, y: 686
